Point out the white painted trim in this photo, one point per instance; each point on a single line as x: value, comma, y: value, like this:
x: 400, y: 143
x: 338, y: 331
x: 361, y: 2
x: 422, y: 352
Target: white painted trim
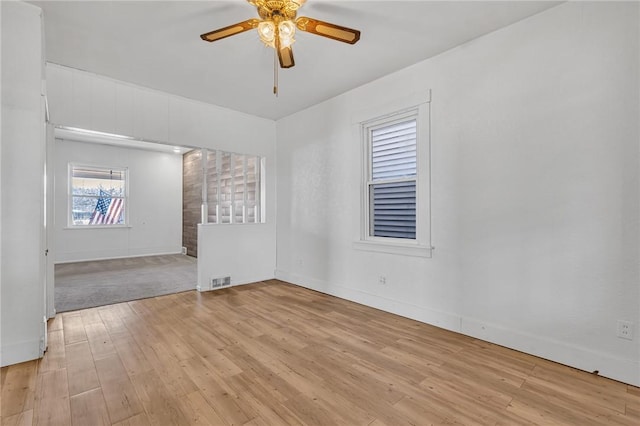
x: 391, y: 248
x: 445, y: 320
x: 233, y: 224
x: 76, y: 227
x: 623, y: 370
x: 421, y: 245
x: 607, y: 365
x: 176, y: 251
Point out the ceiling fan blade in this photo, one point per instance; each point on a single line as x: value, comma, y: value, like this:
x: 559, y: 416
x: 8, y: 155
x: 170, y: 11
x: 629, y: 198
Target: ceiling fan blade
x: 325, y: 29
x: 285, y: 55
x: 234, y: 29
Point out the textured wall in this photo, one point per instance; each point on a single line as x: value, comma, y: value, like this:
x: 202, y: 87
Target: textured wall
x: 534, y: 190
x: 191, y: 200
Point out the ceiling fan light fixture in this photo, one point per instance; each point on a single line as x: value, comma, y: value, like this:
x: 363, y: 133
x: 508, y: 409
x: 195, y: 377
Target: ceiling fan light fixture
x: 267, y: 32
x: 286, y: 31
x: 277, y: 28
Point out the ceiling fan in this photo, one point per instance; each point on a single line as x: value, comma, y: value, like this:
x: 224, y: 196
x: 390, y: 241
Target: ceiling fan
x: 277, y: 26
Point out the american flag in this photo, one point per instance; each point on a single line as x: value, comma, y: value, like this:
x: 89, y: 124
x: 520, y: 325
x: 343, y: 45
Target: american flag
x: 108, y: 210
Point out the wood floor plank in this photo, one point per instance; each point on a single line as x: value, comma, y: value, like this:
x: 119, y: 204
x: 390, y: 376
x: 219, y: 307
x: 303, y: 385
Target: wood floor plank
x: 137, y: 420
x: 561, y: 407
x: 24, y: 418
x: 55, y: 323
x: 277, y: 387
x: 99, y: 340
x: 89, y: 408
x: 118, y: 391
x: 420, y: 413
x: 18, y: 389
x: 271, y: 353
x: 73, y: 328
x: 3, y: 376
x: 131, y: 355
x: 260, y: 397
x: 212, y: 387
x: 81, y: 370
x: 54, y: 357
x: 52, y: 399
x: 110, y: 316
x: 312, y: 412
x: 632, y: 411
x: 156, y: 354
x: 632, y: 406
x: 160, y: 405
x: 198, y: 411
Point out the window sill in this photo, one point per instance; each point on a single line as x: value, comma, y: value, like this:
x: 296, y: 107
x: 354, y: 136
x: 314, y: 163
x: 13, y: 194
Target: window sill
x: 98, y: 227
x: 394, y: 248
x: 232, y: 224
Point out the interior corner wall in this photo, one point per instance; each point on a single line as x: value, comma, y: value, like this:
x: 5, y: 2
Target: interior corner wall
x: 22, y: 170
x: 89, y: 101
x: 534, y: 190
x: 154, y: 204
x: 191, y: 200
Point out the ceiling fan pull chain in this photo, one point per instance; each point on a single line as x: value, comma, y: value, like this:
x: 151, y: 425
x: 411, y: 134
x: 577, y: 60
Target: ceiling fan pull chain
x: 275, y: 72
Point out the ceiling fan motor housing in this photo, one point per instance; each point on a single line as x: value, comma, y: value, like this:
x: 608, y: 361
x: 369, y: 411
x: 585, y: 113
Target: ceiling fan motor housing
x: 274, y: 9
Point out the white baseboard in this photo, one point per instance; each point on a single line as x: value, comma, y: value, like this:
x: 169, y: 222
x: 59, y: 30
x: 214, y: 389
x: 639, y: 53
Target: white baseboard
x: 607, y: 365
x: 14, y: 353
x: 234, y: 283
x: 90, y: 258
x: 440, y: 319
x: 623, y: 370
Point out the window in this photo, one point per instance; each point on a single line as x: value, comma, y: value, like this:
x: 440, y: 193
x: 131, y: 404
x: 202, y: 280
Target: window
x: 98, y: 196
x: 395, y: 201
x: 234, y: 192
x: 392, y: 179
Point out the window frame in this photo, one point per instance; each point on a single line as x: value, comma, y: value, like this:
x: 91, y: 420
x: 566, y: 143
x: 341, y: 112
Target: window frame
x: 70, y: 196
x: 421, y: 245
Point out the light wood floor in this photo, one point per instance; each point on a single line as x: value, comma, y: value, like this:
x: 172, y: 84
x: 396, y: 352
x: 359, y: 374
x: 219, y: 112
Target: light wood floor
x: 272, y: 353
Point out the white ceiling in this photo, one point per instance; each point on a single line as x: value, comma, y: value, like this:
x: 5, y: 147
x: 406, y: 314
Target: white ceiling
x: 156, y: 44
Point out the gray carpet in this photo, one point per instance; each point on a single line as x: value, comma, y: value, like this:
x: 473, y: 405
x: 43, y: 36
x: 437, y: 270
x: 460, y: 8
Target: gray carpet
x: 104, y: 282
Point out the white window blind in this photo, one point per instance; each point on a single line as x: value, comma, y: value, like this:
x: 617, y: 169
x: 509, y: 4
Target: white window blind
x: 392, y: 181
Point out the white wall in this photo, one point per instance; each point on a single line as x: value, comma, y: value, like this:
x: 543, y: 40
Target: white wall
x: 249, y: 259
x: 535, y: 191
x: 23, y: 153
x: 155, y: 204
x: 89, y: 101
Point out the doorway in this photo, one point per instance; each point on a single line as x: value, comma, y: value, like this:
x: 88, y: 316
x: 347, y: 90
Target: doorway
x: 92, y: 264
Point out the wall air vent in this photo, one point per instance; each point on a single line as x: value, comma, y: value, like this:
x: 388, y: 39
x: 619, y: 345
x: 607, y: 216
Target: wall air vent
x: 217, y: 283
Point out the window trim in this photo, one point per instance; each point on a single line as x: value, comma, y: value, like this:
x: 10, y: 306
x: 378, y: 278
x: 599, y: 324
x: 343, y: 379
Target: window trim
x: 386, y: 115
x: 70, y: 224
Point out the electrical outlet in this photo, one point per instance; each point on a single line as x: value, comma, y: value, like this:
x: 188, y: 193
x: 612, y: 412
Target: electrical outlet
x: 382, y: 280
x: 625, y: 330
